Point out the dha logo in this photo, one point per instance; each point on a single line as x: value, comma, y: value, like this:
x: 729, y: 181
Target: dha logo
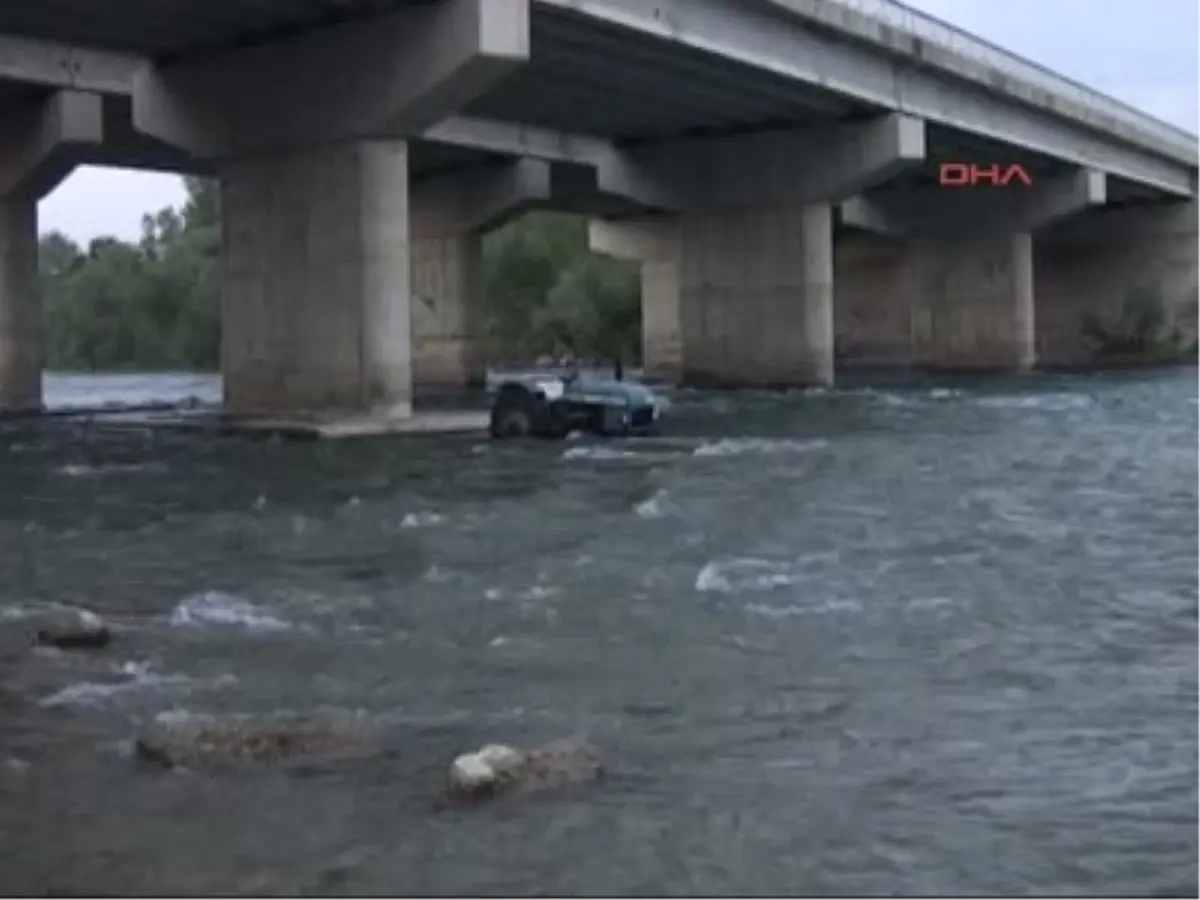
x: 969, y: 175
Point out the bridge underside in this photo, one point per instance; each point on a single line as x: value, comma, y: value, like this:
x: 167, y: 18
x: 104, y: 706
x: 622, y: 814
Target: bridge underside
x: 779, y: 223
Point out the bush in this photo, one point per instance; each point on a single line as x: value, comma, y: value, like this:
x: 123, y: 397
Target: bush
x: 1149, y: 327
x: 155, y: 304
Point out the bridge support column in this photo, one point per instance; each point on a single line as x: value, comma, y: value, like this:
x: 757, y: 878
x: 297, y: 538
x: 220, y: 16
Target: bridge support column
x: 315, y: 306
x: 973, y: 304
x: 39, y: 147
x: 736, y: 299
x: 653, y: 243
x: 873, y: 302
x: 449, y: 215
x: 447, y: 284
x: 756, y: 297
x: 962, y: 267
x: 21, y: 333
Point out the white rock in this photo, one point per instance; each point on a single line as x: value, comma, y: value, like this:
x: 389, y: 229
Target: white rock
x: 470, y: 773
x: 500, y: 757
x: 476, y: 771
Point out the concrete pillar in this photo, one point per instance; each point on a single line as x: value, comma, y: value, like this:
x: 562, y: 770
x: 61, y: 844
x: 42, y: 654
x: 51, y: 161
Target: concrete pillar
x: 756, y: 297
x: 965, y: 273
x: 447, y: 284
x: 40, y: 144
x: 448, y: 214
x: 973, y: 304
x: 21, y: 333
x: 662, y: 342
x: 653, y: 243
x: 741, y: 293
x: 873, y: 302
x: 315, y: 307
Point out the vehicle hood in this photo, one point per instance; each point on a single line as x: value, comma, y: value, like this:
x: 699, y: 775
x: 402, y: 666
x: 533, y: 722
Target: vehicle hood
x: 597, y: 390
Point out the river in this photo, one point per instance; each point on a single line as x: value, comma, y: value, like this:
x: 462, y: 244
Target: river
x: 934, y: 638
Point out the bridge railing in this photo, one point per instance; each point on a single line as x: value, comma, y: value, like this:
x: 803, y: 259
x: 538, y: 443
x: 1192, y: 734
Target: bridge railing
x: 922, y: 25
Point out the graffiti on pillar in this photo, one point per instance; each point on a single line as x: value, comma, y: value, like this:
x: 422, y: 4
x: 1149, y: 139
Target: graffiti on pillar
x: 970, y: 175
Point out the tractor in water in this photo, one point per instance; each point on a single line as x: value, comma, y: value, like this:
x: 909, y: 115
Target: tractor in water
x: 553, y: 406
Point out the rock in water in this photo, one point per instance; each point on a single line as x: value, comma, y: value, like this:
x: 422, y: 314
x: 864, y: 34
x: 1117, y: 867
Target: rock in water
x: 72, y: 629
x: 499, y: 768
x: 208, y: 745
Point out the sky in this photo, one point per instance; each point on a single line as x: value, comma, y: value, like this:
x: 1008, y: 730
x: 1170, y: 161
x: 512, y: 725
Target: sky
x: 1141, y: 51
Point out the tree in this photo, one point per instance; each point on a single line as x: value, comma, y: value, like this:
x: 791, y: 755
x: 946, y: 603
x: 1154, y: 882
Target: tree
x: 155, y: 304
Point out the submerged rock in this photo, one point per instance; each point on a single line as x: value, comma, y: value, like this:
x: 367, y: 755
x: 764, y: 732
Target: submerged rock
x: 72, y: 629
x: 207, y: 745
x: 499, y: 768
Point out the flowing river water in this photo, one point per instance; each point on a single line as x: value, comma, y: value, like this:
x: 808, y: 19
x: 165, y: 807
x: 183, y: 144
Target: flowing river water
x: 938, y: 638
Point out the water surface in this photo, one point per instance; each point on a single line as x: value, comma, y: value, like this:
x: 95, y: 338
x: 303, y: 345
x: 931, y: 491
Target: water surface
x: 934, y: 639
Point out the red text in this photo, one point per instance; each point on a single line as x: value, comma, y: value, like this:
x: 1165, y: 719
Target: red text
x: 961, y: 174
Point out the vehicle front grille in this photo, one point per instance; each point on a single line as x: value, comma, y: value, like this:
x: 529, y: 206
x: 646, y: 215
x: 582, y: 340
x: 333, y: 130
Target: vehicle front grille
x: 642, y: 417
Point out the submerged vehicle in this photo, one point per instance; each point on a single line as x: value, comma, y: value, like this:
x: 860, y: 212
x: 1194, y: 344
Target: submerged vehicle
x: 553, y: 406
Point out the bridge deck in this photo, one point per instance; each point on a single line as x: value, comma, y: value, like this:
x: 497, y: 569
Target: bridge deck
x: 631, y: 71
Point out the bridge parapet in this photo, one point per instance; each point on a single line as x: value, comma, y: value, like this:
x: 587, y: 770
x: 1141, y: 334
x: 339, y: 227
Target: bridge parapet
x: 933, y: 42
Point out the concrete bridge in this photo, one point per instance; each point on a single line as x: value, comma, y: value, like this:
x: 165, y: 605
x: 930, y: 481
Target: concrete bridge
x: 773, y: 165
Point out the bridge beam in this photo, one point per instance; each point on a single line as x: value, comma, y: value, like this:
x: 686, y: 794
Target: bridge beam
x: 836, y: 52
x: 42, y: 142
x: 54, y: 65
x: 766, y: 169
x: 946, y: 212
x: 393, y: 75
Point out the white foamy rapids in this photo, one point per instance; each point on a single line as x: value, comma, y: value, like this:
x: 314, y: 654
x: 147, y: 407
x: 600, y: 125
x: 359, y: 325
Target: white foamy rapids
x: 1045, y: 402
x: 136, y: 677
x: 652, y: 508
x: 602, y: 454
x: 738, y: 446
x: 80, y: 470
x: 737, y: 576
x: 218, y: 609
x: 13, y: 613
x: 793, y: 610
x: 421, y: 520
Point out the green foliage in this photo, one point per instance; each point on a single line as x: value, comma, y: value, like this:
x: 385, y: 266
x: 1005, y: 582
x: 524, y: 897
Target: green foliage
x: 155, y: 304
x: 1150, y: 327
x: 149, y: 305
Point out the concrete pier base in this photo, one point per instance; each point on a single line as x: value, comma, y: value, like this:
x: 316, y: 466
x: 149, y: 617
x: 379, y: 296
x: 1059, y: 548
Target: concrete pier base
x: 21, y: 330
x: 315, y: 307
